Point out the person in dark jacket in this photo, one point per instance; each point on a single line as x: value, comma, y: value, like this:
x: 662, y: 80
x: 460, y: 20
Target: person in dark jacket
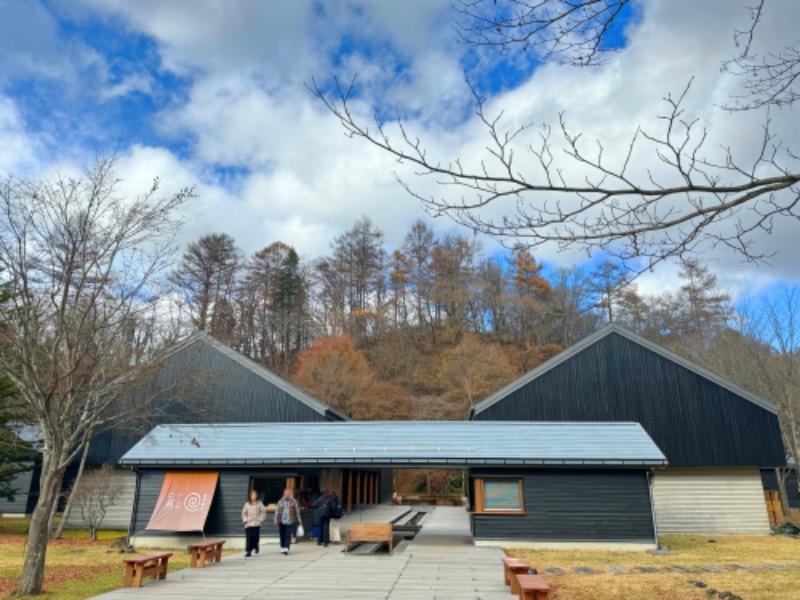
x: 337, y: 512
x: 287, y: 516
x: 323, y: 508
x: 314, y: 504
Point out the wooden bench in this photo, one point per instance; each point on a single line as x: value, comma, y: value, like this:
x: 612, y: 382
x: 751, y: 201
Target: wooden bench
x: 370, y: 532
x: 511, y: 568
x: 532, y: 587
x: 152, y: 565
x: 210, y: 550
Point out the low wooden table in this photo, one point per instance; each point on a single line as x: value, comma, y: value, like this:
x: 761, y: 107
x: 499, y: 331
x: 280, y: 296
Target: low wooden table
x: 511, y: 568
x: 152, y: 565
x: 532, y: 587
x: 370, y: 532
x: 210, y: 550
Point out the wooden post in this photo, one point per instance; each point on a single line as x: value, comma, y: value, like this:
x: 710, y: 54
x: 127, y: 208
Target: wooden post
x: 358, y: 488
x: 377, y: 488
x: 350, y: 490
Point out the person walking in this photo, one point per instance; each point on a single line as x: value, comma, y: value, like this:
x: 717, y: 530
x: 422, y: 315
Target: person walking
x: 287, y: 516
x: 337, y: 512
x: 323, y: 507
x: 253, y: 514
x: 316, y: 502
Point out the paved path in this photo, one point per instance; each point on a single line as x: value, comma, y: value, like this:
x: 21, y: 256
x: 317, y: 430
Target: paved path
x: 440, y: 563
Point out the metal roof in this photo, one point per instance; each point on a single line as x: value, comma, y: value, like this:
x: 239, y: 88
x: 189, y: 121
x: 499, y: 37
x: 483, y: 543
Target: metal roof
x: 636, y: 339
x: 407, y: 443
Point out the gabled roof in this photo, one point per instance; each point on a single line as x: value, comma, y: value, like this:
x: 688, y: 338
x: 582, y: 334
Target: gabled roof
x: 636, y: 339
x: 264, y: 373
x: 406, y: 443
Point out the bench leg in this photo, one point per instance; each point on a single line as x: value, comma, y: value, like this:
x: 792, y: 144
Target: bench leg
x: 203, y: 556
x: 128, y: 575
x: 162, y: 571
x: 138, y: 571
x: 193, y: 558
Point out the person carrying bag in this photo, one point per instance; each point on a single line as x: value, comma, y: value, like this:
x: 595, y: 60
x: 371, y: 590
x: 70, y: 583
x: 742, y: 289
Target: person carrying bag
x: 287, y: 516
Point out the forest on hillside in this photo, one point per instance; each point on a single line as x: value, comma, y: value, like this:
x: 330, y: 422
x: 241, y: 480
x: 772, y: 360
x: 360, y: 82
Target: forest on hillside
x: 427, y: 329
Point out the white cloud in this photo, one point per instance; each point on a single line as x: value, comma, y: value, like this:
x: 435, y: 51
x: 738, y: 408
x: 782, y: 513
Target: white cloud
x: 19, y: 152
x: 299, y: 179
x: 138, y: 82
x: 31, y: 46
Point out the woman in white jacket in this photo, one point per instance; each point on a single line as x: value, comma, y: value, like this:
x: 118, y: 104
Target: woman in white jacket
x: 253, y: 515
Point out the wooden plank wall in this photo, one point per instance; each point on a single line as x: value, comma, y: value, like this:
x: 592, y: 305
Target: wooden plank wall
x: 710, y: 501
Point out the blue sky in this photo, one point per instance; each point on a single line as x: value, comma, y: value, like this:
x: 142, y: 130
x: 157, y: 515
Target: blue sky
x: 214, y: 94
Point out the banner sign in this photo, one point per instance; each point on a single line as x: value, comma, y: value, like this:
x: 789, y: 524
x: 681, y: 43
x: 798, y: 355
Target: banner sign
x: 184, y: 501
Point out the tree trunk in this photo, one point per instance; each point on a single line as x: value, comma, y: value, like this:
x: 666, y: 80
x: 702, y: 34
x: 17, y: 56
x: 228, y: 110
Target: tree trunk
x: 56, y: 535
x: 780, y: 475
x: 39, y: 531
x: 53, y: 509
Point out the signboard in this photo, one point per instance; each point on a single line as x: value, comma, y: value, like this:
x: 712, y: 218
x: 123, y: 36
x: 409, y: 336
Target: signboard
x: 184, y: 501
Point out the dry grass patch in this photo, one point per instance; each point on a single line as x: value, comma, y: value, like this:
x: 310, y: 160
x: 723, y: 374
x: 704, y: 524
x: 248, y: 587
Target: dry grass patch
x: 77, y: 568
x: 687, y: 551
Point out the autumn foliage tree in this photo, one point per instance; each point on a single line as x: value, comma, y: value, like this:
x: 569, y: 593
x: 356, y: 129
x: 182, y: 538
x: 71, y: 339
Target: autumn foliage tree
x: 336, y: 371
x: 475, y: 369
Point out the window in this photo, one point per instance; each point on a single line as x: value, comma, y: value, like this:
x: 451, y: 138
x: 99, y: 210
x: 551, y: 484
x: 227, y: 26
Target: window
x: 270, y: 489
x: 498, y: 495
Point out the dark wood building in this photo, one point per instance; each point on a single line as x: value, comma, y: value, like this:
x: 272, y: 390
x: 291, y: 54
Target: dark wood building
x: 528, y: 482
x: 201, y: 380
x: 716, y: 436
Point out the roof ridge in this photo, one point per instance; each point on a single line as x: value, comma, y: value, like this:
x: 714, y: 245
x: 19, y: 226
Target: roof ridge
x: 261, y: 371
x: 602, y: 333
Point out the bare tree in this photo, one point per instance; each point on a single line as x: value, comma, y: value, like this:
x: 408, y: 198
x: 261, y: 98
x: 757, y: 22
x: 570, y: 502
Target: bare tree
x: 99, y: 490
x: 81, y: 262
x: 592, y: 202
x: 207, y: 275
x: 580, y: 33
x: 609, y: 282
x: 775, y: 322
x: 570, y: 31
x: 767, y: 79
x: 557, y: 187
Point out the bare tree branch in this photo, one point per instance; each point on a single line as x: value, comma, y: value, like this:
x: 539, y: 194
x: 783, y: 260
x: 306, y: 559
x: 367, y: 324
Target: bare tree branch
x: 569, y: 31
x: 621, y: 207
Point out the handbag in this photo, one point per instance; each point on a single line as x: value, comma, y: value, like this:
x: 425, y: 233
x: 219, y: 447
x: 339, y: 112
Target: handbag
x: 300, y: 531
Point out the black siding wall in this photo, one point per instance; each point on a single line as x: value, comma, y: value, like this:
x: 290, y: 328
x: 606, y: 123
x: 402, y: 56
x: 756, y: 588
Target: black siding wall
x: 19, y: 505
x: 387, y: 485
x: 225, y: 515
x: 575, y: 506
x: 694, y: 421
x: 203, y: 385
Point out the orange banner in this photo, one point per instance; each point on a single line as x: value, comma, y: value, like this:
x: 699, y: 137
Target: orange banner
x: 184, y: 501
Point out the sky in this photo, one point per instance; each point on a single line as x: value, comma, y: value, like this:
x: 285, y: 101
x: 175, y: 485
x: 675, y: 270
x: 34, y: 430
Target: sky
x: 214, y: 94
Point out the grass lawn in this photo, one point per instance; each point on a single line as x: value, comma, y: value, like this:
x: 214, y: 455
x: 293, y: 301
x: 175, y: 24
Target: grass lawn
x: 77, y: 568
x: 688, y: 551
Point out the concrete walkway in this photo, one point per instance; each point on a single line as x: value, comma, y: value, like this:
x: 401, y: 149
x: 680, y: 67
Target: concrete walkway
x: 440, y: 563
